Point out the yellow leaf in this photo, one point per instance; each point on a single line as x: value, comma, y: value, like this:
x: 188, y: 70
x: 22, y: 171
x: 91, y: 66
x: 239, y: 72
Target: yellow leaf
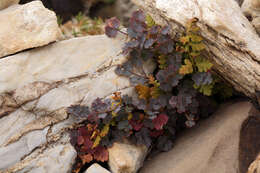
x: 113, y: 123
x: 187, y: 68
x: 93, y: 134
x: 194, y: 54
x: 96, y: 142
x: 143, y: 91
x: 105, y: 130
x: 149, y: 21
x: 162, y: 62
x: 185, y: 39
x: 204, y: 89
x: 198, y: 47
x: 203, y: 64
x: 196, y: 38
x: 153, y: 82
x: 155, y: 92
x: 114, y: 114
x: 130, y: 116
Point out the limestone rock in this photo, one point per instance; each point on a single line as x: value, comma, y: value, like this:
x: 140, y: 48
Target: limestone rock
x: 255, y: 166
x: 227, y: 142
x: 96, y: 168
x: 7, y: 3
x: 126, y: 158
x: 26, y: 26
x: 251, y: 9
x: 256, y: 24
x: 37, y: 86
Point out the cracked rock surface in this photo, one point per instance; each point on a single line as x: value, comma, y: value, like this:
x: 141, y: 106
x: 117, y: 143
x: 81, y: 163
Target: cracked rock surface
x: 36, y: 86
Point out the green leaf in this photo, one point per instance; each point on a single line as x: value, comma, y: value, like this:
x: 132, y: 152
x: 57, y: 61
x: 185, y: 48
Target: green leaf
x: 203, y: 64
x: 162, y: 61
x: 149, y: 21
x: 204, y: 89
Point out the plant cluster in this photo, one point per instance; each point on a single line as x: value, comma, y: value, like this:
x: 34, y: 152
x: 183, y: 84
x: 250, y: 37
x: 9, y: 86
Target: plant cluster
x: 174, y: 96
x: 81, y: 25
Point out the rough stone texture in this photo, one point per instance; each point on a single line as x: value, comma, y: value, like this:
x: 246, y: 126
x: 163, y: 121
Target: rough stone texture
x: 7, y: 3
x: 126, y: 158
x: 239, y: 2
x: 36, y: 86
x: 231, y: 42
x: 26, y: 26
x: 255, y: 166
x: 251, y: 9
x: 213, y: 146
x: 96, y: 168
x: 249, y: 144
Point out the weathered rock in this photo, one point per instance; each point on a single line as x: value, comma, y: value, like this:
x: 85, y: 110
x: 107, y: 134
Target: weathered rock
x: 256, y: 24
x: 231, y: 42
x: 227, y: 142
x: 36, y: 87
x: 251, y: 9
x: 7, y: 3
x: 255, y: 166
x: 239, y: 2
x: 126, y: 158
x: 96, y: 168
x: 26, y: 26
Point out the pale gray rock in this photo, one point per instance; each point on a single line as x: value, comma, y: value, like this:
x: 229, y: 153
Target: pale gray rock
x: 126, y: 158
x: 251, y: 9
x: 26, y: 26
x: 96, y: 168
x: 7, y: 3
x: 38, y: 85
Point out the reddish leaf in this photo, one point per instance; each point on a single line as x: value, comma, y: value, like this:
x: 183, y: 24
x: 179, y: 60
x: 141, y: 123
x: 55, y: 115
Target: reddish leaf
x: 80, y: 140
x: 83, y: 131
x: 101, y: 154
x: 112, y: 26
x: 136, y: 126
x: 87, y: 145
x: 93, y: 118
x: 86, y: 158
x: 156, y: 133
x: 113, y: 22
x: 160, y: 121
x: 110, y: 32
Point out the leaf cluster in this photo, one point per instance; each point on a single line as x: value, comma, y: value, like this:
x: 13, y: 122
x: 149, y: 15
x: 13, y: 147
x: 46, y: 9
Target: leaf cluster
x: 174, y: 96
